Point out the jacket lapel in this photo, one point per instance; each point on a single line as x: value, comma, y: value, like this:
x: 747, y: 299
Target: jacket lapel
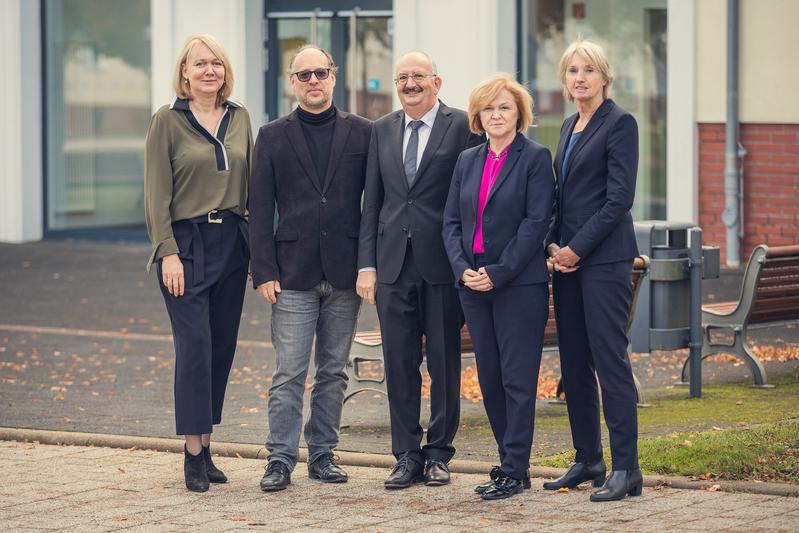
x: 297, y: 141
x: 563, y: 144
x: 440, y: 127
x: 340, y: 135
x: 593, y: 126
x: 475, y: 178
x: 514, y: 153
x: 395, y: 143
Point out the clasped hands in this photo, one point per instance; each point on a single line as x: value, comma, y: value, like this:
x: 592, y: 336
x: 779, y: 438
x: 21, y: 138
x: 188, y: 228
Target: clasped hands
x: 563, y: 259
x: 477, y: 280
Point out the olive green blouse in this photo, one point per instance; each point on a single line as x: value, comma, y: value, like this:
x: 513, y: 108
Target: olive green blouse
x: 189, y: 171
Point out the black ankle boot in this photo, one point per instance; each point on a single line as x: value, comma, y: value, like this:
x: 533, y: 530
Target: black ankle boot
x: 579, y: 473
x: 194, y: 471
x: 214, y: 474
x: 620, y: 483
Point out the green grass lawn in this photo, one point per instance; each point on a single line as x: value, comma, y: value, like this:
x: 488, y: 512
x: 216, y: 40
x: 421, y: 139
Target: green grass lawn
x: 732, y: 432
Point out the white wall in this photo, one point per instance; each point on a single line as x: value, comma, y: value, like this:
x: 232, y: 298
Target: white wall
x: 20, y: 121
x: 238, y: 26
x: 469, y: 40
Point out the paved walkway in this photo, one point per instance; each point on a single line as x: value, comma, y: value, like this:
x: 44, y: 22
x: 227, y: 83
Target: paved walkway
x: 85, y: 489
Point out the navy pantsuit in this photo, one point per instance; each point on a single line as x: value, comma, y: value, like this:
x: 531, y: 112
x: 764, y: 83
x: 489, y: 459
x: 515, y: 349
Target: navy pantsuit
x: 592, y: 217
x: 507, y: 322
x: 205, y: 320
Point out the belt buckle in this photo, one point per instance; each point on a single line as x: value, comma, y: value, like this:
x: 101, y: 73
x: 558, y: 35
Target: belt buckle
x: 212, y: 220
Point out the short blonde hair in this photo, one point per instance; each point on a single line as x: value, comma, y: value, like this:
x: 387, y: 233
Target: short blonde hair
x: 180, y: 84
x: 595, y: 55
x: 485, y: 93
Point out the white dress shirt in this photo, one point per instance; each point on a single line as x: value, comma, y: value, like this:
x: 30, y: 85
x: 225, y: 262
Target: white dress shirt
x: 428, y: 120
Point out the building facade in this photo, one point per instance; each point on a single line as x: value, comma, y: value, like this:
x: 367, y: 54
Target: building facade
x: 85, y: 76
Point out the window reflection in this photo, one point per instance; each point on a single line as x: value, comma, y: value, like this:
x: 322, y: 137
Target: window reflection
x: 98, y: 108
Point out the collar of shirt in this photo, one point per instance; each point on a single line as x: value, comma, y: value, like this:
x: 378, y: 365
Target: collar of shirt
x: 428, y: 118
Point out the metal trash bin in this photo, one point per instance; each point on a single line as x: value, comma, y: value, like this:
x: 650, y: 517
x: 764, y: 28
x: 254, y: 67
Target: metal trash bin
x: 668, y: 315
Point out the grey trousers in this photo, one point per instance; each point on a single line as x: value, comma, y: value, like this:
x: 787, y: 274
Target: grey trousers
x: 330, y: 315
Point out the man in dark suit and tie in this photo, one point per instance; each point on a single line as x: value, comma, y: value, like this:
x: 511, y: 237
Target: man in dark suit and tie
x: 403, y: 267
x: 310, y: 165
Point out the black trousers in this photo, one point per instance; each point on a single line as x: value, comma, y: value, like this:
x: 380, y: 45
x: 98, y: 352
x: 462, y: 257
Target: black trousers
x: 205, y: 320
x: 507, y: 329
x: 408, y: 309
x: 592, y: 309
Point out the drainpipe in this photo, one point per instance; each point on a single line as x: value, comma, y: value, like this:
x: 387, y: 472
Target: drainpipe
x: 731, y: 215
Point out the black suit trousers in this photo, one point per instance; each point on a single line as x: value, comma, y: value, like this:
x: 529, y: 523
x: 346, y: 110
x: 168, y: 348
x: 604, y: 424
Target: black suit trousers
x: 408, y: 309
x: 507, y: 329
x: 592, y: 309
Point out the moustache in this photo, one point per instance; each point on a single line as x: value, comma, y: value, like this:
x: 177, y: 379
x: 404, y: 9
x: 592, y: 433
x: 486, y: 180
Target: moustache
x: 411, y: 90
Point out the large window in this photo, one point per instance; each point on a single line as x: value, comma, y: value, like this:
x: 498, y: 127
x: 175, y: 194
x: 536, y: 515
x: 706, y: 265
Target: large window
x: 633, y: 33
x: 97, y: 55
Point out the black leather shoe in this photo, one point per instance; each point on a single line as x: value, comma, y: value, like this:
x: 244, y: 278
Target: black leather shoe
x: 620, y: 483
x: 194, y: 471
x: 504, y: 487
x: 276, y: 477
x: 325, y: 469
x: 405, y: 473
x: 436, y: 473
x: 579, y: 473
x: 214, y: 474
x: 495, y: 473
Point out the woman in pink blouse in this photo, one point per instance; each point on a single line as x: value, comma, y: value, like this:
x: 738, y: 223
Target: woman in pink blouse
x: 495, y: 221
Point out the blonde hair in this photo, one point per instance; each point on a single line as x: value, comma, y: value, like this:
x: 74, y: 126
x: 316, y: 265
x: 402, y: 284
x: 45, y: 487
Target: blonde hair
x: 595, y: 55
x: 181, y: 85
x: 488, y: 90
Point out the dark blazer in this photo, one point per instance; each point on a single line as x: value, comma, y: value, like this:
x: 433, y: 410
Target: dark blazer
x: 318, y: 216
x: 593, y: 200
x: 515, y: 218
x: 391, y: 209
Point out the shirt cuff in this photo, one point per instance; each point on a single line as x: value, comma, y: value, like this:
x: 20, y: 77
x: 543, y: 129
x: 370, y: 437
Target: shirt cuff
x: 367, y: 269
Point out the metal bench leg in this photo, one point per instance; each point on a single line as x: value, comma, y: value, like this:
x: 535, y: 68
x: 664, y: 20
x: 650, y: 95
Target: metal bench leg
x: 740, y: 349
x: 356, y: 383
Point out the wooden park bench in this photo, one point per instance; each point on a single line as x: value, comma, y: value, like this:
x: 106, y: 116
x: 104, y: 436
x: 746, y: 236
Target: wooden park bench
x: 367, y: 345
x: 769, y: 296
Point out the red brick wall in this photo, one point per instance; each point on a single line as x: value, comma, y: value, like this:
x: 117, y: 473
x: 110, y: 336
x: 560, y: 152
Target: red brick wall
x: 771, y: 185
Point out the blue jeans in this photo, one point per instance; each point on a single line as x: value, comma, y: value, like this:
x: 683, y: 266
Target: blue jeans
x: 331, y: 314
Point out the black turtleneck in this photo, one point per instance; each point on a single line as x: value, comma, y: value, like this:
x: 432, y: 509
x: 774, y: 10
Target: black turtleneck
x: 318, y: 130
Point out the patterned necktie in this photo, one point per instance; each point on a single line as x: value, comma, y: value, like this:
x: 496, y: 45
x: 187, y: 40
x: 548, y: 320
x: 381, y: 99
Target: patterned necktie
x: 410, y: 151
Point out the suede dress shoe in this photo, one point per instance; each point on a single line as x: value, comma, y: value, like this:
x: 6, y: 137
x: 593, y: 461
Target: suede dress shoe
x: 214, y: 474
x: 436, y: 473
x: 276, y: 477
x: 580, y: 473
x: 504, y: 487
x: 620, y: 483
x: 194, y: 471
x: 325, y: 469
x: 496, y: 473
x: 405, y: 473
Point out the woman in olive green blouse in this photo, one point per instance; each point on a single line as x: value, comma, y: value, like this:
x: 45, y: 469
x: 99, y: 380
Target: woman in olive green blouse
x: 197, y: 164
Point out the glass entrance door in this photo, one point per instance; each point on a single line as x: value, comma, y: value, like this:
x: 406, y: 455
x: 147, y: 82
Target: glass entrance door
x: 360, y: 42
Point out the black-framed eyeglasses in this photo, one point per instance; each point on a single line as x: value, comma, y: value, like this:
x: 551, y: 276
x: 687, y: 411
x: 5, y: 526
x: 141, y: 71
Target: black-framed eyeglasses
x: 418, y: 77
x: 305, y: 75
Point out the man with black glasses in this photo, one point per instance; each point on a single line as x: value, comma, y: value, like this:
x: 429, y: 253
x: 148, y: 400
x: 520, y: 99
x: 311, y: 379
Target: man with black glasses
x: 310, y: 166
x: 405, y: 270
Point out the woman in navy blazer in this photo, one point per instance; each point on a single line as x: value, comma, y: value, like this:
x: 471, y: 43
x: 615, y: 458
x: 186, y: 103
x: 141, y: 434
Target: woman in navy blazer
x: 495, y: 220
x: 592, y: 245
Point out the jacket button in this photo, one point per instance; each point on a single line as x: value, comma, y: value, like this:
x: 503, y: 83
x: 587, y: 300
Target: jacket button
x: 324, y: 233
x: 410, y: 202
x: 324, y: 200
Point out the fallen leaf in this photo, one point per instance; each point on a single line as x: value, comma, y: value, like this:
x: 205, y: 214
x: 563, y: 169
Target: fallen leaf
x: 563, y: 489
x: 714, y: 488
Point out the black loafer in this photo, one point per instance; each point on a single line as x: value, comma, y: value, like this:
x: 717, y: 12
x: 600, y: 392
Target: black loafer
x: 405, y: 473
x: 580, y: 473
x: 496, y: 473
x: 504, y: 487
x: 276, y: 477
x: 194, y: 471
x: 214, y: 474
x: 436, y: 473
x: 620, y: 483
x: 325, y: 469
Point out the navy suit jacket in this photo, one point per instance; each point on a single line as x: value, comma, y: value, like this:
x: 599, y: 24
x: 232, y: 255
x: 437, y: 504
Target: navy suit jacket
x: 316, y: 236
x: 392, y: 210
x: 515, y: 218
x: 594, y: 198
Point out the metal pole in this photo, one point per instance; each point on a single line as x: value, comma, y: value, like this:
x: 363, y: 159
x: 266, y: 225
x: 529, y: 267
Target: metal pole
x: 315, y: 27
x: 731, y: 216
x: 353, y: 62
x: 695, y: 343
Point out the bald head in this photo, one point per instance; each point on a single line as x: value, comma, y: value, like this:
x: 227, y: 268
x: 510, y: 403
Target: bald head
x: 418, y: 58
x: 316, y: 94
